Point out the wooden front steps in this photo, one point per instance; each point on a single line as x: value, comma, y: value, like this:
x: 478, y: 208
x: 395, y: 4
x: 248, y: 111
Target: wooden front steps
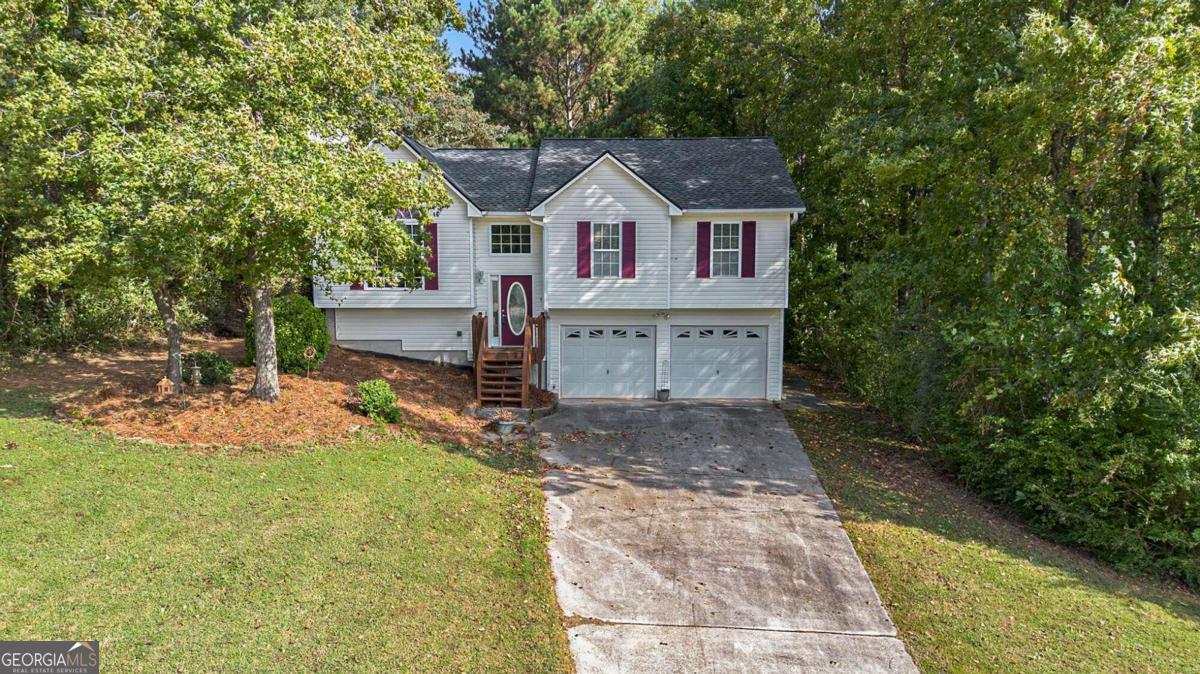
x: 502, y: 374
x: 501, y: 381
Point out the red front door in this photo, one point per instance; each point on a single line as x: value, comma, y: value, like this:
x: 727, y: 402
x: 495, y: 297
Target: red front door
x: 516, y: 308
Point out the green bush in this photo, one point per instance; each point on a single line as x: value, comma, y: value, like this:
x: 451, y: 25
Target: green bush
x: 1082, y: 417
x: 214, y: 368
x: 72, y: 318
x: 298, y: 325
x: 378, y: 401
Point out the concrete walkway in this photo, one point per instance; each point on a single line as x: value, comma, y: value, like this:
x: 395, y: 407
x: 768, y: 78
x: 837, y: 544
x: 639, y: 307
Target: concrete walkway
x: 696, y: 537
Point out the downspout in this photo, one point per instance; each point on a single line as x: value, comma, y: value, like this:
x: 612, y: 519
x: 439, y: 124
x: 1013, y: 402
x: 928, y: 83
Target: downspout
x: 545, y: 263
x: 471, y: 276
x: 670, y: 256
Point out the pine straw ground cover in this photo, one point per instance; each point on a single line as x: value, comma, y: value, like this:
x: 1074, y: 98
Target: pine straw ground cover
x: 969, y: 587
x: 117, y: 392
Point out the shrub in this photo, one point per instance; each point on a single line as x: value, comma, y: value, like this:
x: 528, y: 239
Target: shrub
x: 298, y: 325
x: 214, y: 368
x: 377, y: 400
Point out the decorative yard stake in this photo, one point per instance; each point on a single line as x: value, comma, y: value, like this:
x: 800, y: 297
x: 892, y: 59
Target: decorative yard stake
x: 310, y: 354
x: 196, y: 376
x: 165, y: 387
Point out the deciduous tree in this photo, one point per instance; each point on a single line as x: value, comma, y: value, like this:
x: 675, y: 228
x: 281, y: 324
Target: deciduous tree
x: 144, y: 140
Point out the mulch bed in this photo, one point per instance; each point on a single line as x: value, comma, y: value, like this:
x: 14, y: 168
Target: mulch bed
x: 117, y: 392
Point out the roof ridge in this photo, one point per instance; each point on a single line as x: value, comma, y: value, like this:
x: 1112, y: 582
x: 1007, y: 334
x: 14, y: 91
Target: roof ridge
x: 486, y: 149
x: 533, y: 167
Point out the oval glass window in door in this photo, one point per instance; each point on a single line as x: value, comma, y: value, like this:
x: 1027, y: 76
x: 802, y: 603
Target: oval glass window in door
x: 517, y: 308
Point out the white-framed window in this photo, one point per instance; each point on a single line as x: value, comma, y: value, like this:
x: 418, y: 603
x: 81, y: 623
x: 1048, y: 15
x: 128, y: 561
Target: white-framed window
x: 495, y: 284
x: 606, y: 250
x: 726, y: 249
x: 414, y: 229
x: 514, y: 239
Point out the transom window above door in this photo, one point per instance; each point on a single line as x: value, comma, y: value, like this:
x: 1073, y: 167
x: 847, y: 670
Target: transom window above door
x: 606, y: 250
x: 726, y: 249
x: 511, y: 240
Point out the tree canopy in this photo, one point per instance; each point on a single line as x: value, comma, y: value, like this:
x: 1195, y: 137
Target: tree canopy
x: 554, y: 66
x: 1001, y: 242
x: 150, y: 141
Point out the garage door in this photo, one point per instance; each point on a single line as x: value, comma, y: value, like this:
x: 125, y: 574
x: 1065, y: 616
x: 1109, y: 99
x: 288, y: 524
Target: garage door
x: 719, y: 362
x: 607, y: 362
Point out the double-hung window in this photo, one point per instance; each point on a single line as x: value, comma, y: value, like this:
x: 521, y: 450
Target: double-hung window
x: 726, y: 249
x: 511, y: 240
x: 414, y: 229
x: 606, y: 250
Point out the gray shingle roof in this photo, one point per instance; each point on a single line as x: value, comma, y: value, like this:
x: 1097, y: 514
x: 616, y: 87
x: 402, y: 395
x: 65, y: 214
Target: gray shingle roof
x: 694, y: 173
x: 691, y: 172
x: 494, y: 179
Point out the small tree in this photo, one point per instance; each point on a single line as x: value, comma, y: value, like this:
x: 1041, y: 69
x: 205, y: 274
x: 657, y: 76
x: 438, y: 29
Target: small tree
x: 299, y: 186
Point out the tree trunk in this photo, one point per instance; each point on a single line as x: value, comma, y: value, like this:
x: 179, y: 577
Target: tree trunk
x: 1151, y: 201
x: 902, y: 228
x: 1061, y: 165
x: 229, y: 320
x: 266, y: 363
x: 166, y: 309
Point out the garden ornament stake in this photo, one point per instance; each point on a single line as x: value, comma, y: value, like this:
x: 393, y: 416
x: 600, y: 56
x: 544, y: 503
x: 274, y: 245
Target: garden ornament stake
x: 310, y: 354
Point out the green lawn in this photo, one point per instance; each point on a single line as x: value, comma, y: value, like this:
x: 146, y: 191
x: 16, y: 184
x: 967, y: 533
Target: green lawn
x: 372, y: 555
x: 972, y: 590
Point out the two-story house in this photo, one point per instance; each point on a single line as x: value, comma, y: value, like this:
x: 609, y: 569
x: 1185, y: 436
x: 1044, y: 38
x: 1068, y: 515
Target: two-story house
x: 659, y: 263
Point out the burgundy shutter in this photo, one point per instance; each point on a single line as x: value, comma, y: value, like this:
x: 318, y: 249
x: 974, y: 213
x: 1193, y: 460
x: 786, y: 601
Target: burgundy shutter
x: 749, y: 230
x: 583, y: 249
x: 628, y: 249
x: 431, y: 281
x: 703, y: 248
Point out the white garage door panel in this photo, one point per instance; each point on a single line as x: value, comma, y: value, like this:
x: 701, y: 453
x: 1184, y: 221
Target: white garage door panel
x: 607, y: 361
x: 719, y: 362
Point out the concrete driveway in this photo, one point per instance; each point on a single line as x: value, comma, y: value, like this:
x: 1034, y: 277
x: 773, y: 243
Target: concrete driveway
x: 695, y: 537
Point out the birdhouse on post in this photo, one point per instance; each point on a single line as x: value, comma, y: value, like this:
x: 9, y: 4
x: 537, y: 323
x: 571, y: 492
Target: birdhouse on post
x: 165, y: 387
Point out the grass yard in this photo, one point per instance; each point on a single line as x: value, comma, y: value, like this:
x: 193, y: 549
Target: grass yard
x: 969, y: 588
x: 373, y: 554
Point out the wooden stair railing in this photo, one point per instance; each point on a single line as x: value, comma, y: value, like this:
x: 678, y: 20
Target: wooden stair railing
x: 503, y: 375
x: 539, y: 347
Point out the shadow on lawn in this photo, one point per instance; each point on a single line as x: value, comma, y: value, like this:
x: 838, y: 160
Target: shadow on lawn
x: 21, y: 405
x: 875, y: 475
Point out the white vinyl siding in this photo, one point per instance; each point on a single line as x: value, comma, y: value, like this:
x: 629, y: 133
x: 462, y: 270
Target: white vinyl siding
x: 488, y: 265
x: 420, y: 330
x: 607, y: 194
x: 768, y: 287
